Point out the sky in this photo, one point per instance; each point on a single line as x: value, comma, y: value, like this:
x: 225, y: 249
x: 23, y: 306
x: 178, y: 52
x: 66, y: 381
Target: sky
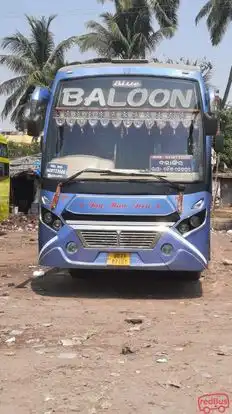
x: 189, y: 41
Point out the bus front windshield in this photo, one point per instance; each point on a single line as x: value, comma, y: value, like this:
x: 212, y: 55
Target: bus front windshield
x: 127, y: 123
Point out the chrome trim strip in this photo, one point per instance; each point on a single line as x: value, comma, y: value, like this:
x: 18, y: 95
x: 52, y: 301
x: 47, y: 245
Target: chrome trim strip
x: 123, y: 227
x: 107, y: 224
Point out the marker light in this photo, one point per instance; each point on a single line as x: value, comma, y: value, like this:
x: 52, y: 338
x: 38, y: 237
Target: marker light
x: 199, y: 204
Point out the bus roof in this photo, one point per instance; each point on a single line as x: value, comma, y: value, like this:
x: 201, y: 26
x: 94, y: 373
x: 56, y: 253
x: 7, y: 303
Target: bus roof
x: 131, y: 63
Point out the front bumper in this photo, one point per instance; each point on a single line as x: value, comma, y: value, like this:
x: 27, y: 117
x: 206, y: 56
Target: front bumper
x: 184, y: 257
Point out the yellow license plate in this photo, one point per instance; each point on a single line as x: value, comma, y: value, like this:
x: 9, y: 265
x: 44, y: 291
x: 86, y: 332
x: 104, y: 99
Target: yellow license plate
x: 118, y: 259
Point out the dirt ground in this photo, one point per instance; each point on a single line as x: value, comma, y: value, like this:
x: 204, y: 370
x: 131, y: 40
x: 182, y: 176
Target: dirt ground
x: 76, y: 347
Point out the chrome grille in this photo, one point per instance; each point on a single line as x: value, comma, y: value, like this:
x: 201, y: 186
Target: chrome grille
x: 123, y: 238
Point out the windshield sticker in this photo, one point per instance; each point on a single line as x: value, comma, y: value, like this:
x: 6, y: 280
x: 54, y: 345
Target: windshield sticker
x: 56, y: 170
x: 126, y: 84
x: 171, y: 163
x: 128, y: 102
x: 135, y: 98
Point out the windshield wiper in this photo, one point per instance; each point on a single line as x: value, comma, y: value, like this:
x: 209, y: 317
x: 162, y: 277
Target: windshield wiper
x: 70, y: 179
x: 110, y: 172
x: 179, y: 187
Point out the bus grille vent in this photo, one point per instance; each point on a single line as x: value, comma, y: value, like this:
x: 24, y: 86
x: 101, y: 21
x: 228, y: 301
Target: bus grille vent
x: 119, y: 239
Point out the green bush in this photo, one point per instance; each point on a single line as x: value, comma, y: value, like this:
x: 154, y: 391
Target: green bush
x: 226, y: 129
x: 22, y: 150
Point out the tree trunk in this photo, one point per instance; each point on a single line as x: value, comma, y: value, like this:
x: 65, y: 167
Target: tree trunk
x: 227, y: 90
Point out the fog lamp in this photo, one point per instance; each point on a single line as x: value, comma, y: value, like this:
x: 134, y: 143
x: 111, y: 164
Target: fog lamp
x: 167, y: 249
x: 71, y: 247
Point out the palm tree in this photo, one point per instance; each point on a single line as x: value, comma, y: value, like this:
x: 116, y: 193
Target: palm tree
x: 205, y: 66
x: 34, y: 60
x: 126, y: 34
x: 165, y: 11
x: 219, y: 16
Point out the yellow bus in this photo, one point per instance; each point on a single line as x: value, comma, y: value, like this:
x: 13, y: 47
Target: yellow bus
x: 4, y: 179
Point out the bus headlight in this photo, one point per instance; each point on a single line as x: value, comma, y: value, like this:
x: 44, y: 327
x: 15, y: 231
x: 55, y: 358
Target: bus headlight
x: 57, y: 224
x: 47, y: 218
x: 183, y: 228
x: 50, y: 219
x: 195, y: 221
x: 191, y: 223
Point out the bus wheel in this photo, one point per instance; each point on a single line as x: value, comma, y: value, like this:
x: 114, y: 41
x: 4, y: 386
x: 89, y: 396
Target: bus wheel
x: 191, y: 276
x: 77, y: 274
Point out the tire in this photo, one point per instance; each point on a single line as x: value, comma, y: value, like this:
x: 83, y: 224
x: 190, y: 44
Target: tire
x: 76, y: 274
x: 189, y: 276
x: 193, y: 276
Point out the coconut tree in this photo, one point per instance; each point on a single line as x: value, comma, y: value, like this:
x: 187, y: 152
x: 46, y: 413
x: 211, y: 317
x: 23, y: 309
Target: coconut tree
x: 165, y: 11
x: 34, y: 60
x: 205, y: 66
x: 218, y: 14
x: 128, y: 33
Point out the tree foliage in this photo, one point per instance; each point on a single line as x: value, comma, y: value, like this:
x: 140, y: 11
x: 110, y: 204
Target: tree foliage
x: 218, y: 14
x: 128, y: 33
x: 205, y: 66
x: 164, y: 11
x: 226, y: 129
x: 34, y: 60
x: 17, y: 150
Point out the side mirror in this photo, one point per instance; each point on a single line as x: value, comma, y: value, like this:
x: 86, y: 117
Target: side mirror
x: 210, y: 125
x: 34, y: 127
x: 219, y: 143
x: 35, y: 111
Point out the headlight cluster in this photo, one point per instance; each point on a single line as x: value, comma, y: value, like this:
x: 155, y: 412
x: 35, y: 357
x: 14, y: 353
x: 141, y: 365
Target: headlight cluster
x: 51, y: 219
x: 192, y: 222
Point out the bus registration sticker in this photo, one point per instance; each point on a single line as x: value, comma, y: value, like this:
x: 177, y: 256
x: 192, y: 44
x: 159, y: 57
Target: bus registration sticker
x: 118, y: 259
x: 171, y: 163
x: 56, y: 170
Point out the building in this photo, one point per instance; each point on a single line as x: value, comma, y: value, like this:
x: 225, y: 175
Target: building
x: 25, y: 183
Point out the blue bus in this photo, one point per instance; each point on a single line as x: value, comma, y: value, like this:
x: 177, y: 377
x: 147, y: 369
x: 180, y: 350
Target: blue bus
x: 126, y: 167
